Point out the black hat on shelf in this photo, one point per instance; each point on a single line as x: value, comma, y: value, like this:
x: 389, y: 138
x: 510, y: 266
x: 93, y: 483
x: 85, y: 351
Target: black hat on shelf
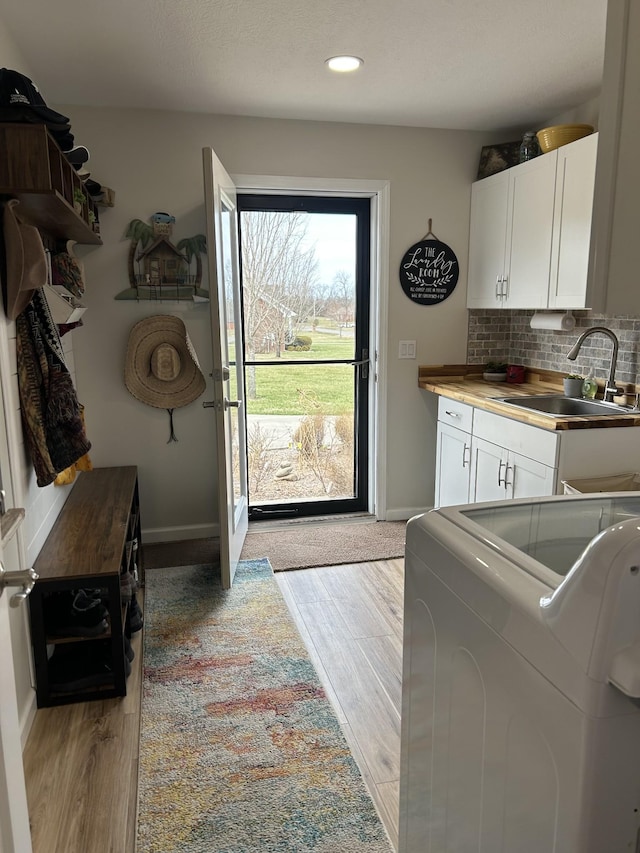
x: 77, y: 156
x: 21, y: 101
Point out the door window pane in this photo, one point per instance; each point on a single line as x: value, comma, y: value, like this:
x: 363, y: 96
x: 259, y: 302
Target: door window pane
x: 300, y: 433
x: 298, y: 277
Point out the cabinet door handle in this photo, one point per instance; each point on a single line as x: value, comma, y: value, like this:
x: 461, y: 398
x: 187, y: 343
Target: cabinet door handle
x: 508, y: 468
x: 500, y: 480
x: 466, y: 461
x: 452, y: 414
x: 498, y: 288
x: 505, y: 287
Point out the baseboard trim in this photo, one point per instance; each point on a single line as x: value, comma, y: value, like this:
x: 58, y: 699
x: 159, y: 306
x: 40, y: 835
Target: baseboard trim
x: 405, y: 513
x: 27, y: 718
x: 177, y: 534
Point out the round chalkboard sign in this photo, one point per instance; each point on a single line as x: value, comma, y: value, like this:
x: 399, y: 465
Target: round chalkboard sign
x: 429, y: 272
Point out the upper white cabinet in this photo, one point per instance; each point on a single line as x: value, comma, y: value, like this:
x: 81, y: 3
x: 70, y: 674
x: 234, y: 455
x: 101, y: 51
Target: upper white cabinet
x: 532, y: 187
x: 487, y: 241
x: 530, y: 230
x: 575, y: 177
x: 613, y: 275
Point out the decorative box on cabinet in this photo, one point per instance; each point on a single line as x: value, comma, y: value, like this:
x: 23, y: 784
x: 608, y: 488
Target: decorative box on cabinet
x: 95, y: 540
x: 34, y: 170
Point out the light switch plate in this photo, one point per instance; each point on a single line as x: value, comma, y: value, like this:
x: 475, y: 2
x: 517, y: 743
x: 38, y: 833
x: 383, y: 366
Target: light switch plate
x: 407, y: 349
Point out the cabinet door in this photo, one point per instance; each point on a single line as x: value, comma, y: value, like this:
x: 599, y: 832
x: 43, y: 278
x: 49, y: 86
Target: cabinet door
x: 575, y: 178
x: 613, y: 278
x: 487, y: 240
x: 527, y: 478
x: 453, y: 466
x: 532, y: 194
x: 488, y: 477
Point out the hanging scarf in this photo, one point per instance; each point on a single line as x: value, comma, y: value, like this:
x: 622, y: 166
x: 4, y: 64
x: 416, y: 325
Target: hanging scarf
x: 51, y: 414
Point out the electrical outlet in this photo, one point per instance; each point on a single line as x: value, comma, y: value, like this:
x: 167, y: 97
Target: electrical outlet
x: 407, y: 349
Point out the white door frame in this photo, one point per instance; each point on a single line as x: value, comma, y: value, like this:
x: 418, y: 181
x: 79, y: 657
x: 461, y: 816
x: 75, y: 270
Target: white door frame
x: 378, y: 192
x: 15, y: 833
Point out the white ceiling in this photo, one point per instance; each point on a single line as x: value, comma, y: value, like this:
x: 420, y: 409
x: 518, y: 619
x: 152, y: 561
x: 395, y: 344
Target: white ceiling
x: 466, y: 64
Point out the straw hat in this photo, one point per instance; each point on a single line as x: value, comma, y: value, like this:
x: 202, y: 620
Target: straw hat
x: 25, y: 258
x: 161, y: 367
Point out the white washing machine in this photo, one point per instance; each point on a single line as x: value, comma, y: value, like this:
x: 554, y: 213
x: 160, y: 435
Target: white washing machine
x: 521, y: 678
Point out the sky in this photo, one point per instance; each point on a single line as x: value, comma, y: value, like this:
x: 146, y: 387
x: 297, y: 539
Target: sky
x: 334, y: 237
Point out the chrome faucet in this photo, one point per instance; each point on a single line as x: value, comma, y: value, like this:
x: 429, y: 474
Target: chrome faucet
x: 611, y: 389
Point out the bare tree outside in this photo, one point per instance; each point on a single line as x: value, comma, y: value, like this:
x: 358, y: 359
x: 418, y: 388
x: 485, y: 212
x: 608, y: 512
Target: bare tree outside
x: 342, y: 298
x: 278, y: 280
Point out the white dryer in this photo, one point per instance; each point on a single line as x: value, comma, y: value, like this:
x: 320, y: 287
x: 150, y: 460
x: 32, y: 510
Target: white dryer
x: 521, y: 678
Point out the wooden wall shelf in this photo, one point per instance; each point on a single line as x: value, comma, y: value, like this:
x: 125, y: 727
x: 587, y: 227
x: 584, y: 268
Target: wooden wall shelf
x: 34, y: 170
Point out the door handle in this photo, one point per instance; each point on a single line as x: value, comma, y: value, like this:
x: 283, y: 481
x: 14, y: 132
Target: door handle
x: 500, y: 480
x: 222, y: 373
x: 226, y: 404
x: 25, y: 579
x: 363, y: 363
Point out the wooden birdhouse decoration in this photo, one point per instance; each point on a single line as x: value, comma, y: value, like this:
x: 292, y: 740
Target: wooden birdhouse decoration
x: 159, y: 270
x: 163, y: 264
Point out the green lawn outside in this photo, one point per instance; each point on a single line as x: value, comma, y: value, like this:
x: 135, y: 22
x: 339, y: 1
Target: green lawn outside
x: 278, y: 387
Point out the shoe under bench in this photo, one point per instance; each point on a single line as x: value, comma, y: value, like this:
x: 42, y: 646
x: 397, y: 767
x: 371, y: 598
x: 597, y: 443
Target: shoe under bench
x: 95, y: 539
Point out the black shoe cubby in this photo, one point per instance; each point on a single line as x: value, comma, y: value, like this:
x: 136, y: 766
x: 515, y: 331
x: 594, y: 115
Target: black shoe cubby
x: 92, y: 547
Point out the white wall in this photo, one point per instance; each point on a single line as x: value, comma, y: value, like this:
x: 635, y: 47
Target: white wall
x: 153, y: 161
x: 12, y: 56
x: 586, y: 113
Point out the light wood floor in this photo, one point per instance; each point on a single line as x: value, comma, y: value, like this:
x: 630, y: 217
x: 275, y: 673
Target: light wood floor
x: 81, y: 760
x: 350, y: 618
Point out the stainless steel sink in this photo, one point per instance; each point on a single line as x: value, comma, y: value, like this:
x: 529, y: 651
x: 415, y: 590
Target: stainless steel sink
x: 560, y: 406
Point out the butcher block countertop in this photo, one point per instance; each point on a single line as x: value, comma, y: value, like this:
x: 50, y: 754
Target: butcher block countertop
x: 464, y: 382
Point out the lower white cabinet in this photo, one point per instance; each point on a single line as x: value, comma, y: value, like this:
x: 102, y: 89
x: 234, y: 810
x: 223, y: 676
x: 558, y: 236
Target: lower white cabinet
x: 453, y: 466
x: 482, y: 456
x: 511, y: 459
x: 453, y: 450
x: 498, y: 473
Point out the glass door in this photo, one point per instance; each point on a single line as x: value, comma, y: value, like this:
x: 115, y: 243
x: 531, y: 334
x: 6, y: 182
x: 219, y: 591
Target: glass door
x: 305, y: 273
x: 228, y: 374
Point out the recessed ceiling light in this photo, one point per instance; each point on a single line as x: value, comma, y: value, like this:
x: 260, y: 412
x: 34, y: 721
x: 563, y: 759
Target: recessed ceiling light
x: 344, y: 63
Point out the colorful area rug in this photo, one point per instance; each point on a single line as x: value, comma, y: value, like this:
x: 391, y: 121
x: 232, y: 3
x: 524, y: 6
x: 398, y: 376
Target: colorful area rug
x: 240, y: 750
